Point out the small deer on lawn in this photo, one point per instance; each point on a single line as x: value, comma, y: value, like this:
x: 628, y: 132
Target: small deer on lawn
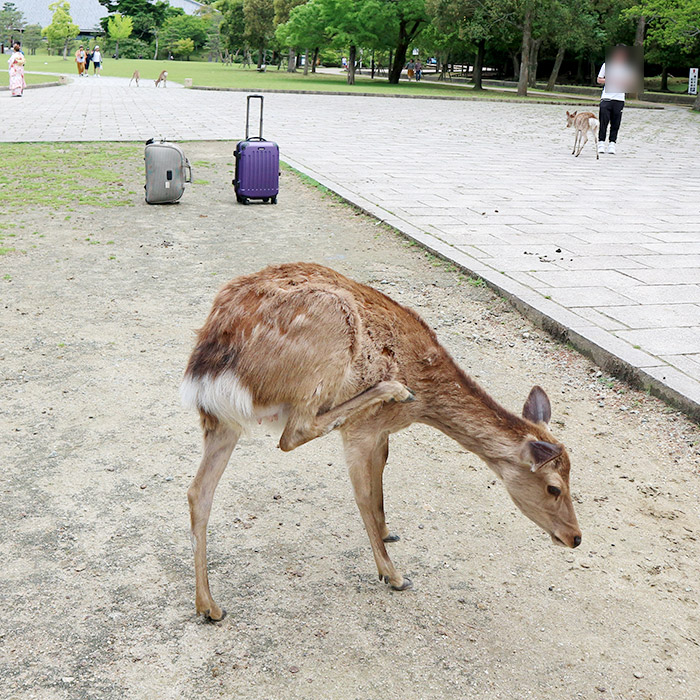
x: 162, y: 78
x: 136, y: 76
x: 312, y: 350
x: 583, y: 123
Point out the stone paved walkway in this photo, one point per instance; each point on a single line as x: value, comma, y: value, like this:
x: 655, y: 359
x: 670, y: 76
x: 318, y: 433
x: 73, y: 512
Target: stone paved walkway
x: 607, y: 252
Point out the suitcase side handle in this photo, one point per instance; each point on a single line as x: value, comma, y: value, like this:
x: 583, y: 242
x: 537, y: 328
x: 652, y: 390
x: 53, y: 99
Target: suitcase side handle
x: 188, y: 169
x: 247, y: 116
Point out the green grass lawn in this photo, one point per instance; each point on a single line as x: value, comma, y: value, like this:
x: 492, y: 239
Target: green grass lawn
x: 30, y: 78
x: 218, y: 75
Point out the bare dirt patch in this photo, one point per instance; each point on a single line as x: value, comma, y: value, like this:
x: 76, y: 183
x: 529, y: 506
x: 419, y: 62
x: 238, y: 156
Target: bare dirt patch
x: 97, y: 316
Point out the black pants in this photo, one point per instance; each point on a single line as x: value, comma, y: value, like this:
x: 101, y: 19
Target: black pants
x: 610, y: 113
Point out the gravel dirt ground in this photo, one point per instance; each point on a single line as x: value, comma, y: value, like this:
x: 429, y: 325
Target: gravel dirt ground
x: 98, y: 307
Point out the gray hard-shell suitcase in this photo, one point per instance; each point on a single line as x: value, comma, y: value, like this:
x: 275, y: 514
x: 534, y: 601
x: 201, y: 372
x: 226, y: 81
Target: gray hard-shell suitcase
x: 167, y: 171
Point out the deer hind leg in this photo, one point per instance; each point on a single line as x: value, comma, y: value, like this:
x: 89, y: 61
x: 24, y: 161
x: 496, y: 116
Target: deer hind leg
x: 359, y: 450
x: 378, y: 457
x: 582, y: 142
x: 575, y: 141
x: 302, y: 426
x: 219, y: 441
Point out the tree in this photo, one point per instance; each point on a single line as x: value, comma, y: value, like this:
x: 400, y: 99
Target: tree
x: 305, y: 27
x: 232, y: 25
x: 11, y: 19
x: 177, y: 27
x: 672, y: 22
x: 283, y: 9
x: 119, y: 27
x: 31, y: 37
x: 62, y: 28
x: 183, y: 47
x: 259, y: 16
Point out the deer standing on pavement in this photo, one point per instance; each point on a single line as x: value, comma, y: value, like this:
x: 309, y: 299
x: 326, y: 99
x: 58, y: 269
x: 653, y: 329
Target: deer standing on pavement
x: 136, y: 76
x: 162, y: 78
x: 583, y: 123
x: 314, y: 351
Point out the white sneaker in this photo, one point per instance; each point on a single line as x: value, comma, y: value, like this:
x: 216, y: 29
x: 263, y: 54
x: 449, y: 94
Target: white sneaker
x: 601, y: 146
x: 611, y: 148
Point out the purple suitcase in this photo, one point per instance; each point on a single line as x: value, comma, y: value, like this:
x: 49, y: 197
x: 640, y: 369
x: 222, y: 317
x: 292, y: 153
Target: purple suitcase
x: 257, y: 164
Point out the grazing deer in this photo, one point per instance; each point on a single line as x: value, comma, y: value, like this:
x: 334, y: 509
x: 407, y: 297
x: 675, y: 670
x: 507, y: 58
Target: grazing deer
x: 162, y: 78
x: 303, y: 346
x: 583, y: 124
x: 136, y: 76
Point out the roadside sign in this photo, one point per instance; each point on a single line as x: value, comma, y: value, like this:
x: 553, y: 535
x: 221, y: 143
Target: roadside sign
x: 416, y: 52
x: 693, y: 82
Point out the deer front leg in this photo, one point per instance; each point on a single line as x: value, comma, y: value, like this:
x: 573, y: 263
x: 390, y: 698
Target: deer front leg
x: 358, y: 455
x: 575, y: 141
x: 219, y: 442
x: 302, y: 427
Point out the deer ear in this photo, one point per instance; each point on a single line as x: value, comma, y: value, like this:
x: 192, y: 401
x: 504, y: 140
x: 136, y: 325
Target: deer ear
x: 567, y: 113
x: 539, y: 453
x: 537, y: 407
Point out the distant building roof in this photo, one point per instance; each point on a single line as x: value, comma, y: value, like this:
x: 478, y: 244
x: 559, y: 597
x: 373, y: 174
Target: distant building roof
x: 85, y: 13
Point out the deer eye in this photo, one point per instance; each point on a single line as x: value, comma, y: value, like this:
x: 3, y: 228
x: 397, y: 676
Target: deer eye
x: 554, y: 490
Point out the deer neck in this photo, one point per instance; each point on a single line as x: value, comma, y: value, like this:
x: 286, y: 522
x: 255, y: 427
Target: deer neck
x: 462, y: 410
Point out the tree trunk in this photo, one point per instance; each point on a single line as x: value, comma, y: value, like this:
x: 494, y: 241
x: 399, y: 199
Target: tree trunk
x: 155, y: 55
x: 516, y: 66
x: 696, y: 104
x: 664, y: 78
x: 306, y: 61
x: 532, y: 68
x: 579, y: 70
x: 314, y: 60
x: 593, y: 71
x: 291, y: 61
x: 372, y: 74
x: 400, y: 55
x: 525, y: 53
x: 556, y: 68
x: 479, y: 63
x: 65, y: 49
x: 351, y: 64
x: 639, y: 55
x: 116, y: 50
x: 261, y: 56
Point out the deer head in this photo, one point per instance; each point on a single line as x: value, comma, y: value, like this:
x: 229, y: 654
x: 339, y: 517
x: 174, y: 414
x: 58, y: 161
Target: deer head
x: 537, y: 479
x: 570, y: 116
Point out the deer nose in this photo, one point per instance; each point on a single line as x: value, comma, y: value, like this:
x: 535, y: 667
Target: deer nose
x: 577, y: 540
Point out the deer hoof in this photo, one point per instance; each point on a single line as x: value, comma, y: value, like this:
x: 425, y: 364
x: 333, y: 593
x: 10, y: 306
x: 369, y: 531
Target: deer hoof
x: 391, y: 538
x: 214, y: 616
x: 407, y: 583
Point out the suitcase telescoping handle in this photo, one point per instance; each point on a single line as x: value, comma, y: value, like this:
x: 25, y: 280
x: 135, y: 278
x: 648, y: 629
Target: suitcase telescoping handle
x: 247, y: 116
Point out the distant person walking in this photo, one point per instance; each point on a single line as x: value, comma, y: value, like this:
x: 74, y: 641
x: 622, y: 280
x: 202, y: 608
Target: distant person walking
x: 410, y: 69
x: 80, y: 58
x: 616, y: 75
x: 16, y: 70
x: 96, y: 61
x: 88, y: 58
x: 419, y: 70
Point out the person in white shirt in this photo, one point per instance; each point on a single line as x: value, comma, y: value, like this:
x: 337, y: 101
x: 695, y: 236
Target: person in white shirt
x: 616, y: 77
x: 96, y: 61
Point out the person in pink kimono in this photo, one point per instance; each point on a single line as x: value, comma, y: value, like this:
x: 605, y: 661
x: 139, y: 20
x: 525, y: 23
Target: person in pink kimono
x: 16, y: 64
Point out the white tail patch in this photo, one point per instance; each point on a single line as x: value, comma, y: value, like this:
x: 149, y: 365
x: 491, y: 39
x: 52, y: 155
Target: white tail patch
x: 228, y: 400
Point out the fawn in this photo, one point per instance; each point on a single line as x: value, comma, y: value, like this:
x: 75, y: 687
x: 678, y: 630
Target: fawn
x: 303, y: 346
x: 583, y: 123
x: 136, y: 76
x: 163, y: 77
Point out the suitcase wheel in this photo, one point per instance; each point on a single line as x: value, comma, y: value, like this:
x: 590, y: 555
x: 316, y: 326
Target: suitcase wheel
x: 266, y: 199
x: 274, y: 199
x: 241, y: 199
